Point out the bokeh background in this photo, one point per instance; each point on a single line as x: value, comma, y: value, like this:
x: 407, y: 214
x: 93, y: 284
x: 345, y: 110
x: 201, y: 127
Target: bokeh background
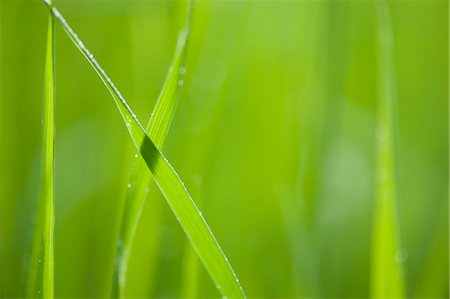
x: 274, y: 136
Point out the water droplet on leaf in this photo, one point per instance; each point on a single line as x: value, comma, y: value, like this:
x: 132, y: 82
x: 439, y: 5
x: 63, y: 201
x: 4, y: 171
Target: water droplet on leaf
x: 401, y: 255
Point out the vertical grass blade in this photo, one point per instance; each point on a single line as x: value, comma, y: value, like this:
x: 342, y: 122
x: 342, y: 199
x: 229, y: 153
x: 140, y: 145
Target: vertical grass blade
x: 41, y: 281
x: 140, y: 179
x: 170, y: 184
x: 386, y: 276
x: 190, y: 277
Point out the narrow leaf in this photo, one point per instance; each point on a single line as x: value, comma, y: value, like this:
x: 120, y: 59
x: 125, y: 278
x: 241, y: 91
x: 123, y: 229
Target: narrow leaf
x: 40, y: 283
x: 170, y: 184
x: 140, y: 179
x: 387, y: 277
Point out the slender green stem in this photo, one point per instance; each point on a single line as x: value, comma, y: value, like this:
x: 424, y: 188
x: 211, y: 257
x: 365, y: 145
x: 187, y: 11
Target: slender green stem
x: 41, y: 269
x: 387, y: 276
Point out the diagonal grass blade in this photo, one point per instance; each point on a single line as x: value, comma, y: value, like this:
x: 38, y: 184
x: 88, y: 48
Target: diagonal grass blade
x: 170, y: 184
x: 140, y: 179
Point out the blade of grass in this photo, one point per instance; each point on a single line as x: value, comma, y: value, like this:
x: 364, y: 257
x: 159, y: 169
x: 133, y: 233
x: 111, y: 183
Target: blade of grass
x: 190, y: 278
x: 41, y: 280
x: 140, y: 179
x: 190, y: 268
x: 386, y: 276
x: 170, y: 184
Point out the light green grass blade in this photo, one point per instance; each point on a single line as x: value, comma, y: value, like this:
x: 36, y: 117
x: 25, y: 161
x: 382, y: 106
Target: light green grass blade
x: 41, y: 281
x: 140, y: 179
x: 178, y: 198
x: 386, y: 276
x: 190, y: 277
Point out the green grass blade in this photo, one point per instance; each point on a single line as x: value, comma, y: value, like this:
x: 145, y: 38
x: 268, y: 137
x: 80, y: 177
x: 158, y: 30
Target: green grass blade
x: 41, y: 280
x: 190, y: 277
x: 387, y: 276
x: 190, y: 273
x: 170, y: 184
x: 140, y: 179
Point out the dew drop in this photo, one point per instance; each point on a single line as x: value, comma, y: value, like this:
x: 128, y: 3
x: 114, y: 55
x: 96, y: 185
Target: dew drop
x: 147, y: 190
x: 182, y: 70
x: 129, y: 185
x: 171, y: 69
x: 401, y: 255
x: 136, y: 155
x: 180, y: 82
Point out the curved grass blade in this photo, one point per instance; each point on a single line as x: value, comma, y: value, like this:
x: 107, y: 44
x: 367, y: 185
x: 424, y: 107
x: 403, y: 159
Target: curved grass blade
x: 40, y: 283
x: 170, y: 184
x: 140, y: 179
x: 386, y: 276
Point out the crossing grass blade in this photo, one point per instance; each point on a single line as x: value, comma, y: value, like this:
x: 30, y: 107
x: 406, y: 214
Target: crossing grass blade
x: 40, y: 283
x: 170, y: 184
x: 140, y: 179
x: 386, y: 276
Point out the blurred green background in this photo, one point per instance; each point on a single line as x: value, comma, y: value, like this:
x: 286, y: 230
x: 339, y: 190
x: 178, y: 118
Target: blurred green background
x: 274, y: 136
